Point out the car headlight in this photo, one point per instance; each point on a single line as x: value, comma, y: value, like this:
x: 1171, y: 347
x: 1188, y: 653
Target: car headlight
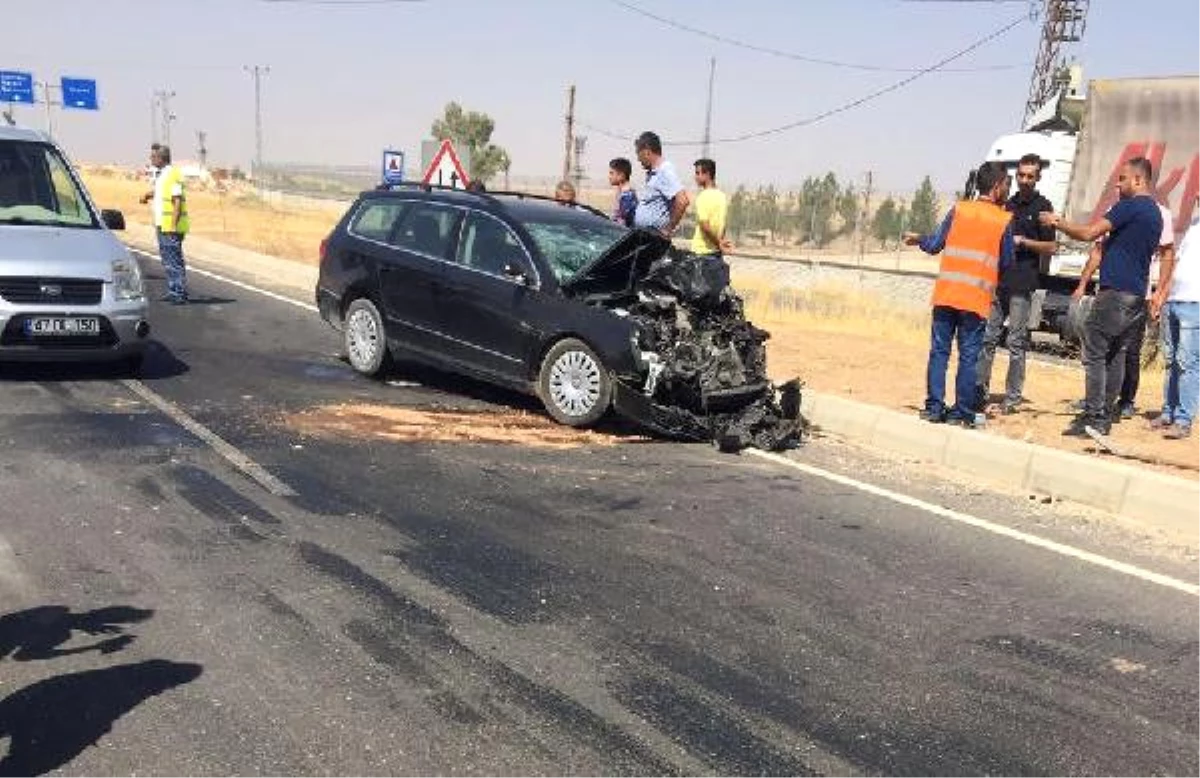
x: 127, y: 280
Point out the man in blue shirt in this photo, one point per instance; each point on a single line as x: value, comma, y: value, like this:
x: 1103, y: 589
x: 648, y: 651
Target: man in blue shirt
x: 662, y: 201
x: 1134, y: 226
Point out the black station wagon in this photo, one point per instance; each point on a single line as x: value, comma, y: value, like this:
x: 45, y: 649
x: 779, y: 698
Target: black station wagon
x: 514, y: 289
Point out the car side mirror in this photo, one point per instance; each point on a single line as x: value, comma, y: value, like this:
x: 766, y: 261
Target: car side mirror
x: 516, y: 272
x: 114, y: 220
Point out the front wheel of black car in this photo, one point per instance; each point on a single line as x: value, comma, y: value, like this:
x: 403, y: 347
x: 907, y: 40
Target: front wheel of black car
x: 573, y: 384
x: 366, y: 343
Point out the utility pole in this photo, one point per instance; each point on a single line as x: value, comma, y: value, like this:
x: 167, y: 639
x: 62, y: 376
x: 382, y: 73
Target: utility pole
x: 162, y: 100
x: 257, y: 72
x: 202, y: 149
x: 1064, y: 23
x: 570, y: 138
x: 712, y: 74
x: 46, y: 87
x: 866, y: 216
x: 577, y: 176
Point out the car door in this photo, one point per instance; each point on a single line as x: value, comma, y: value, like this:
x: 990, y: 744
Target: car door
x: 489, y: 314
x: 420, y: 249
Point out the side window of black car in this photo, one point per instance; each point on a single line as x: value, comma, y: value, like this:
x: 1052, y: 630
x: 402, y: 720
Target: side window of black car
x: 487, y: 245
x: 429, y: 229
x: 377, y: 219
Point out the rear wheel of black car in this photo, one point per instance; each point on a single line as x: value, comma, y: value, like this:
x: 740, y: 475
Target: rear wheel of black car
x: 573, y: 384
x: 366, y: 343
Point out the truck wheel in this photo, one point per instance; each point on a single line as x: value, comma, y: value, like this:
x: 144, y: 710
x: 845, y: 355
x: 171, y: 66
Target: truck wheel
x: 365, y: 339
x: 573, y: 384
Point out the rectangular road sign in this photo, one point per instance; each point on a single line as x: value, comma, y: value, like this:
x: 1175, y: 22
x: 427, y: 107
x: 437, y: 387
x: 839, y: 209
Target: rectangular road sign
x: 393, y: 166
x: 16, y: 87
x: 79, y: 93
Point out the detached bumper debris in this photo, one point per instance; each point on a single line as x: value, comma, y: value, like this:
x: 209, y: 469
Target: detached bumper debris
x: 707, y: 364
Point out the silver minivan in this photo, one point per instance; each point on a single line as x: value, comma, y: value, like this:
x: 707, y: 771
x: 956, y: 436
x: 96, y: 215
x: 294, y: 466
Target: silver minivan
x: 69, y: 290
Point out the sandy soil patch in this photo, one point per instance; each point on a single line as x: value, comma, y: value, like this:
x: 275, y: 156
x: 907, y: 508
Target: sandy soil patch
x: 415, y: 425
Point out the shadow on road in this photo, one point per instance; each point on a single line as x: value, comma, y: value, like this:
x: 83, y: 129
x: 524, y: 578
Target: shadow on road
x: 40, y: 633
x: 51, y: 722
x: 159, y: 362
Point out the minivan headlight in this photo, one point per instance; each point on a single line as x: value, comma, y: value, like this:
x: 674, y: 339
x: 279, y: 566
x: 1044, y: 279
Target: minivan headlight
x: 127, y: 280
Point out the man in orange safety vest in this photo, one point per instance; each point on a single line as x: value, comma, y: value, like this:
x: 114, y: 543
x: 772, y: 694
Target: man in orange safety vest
x: 975, y: 241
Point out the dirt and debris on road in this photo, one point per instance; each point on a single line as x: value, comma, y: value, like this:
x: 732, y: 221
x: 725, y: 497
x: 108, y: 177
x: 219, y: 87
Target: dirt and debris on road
x: 431, y: 425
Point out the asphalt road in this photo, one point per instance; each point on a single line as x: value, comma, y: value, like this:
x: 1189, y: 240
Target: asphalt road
x: 351, y: 604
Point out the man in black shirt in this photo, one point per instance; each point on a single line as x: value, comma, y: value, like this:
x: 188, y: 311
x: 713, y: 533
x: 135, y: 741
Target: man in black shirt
x: 1017, y: 283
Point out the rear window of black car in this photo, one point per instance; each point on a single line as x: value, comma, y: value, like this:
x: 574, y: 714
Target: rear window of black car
x: 376, y: 219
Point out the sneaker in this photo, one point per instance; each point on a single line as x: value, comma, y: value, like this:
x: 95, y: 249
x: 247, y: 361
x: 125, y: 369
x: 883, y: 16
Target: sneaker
x: 1178, y: 432
x: 1127, y: 411
x: 1076, y: 407
x: 933, y: 417
x: 1160, y: 422
x: 1008, y: 409
x: 1078, y: 428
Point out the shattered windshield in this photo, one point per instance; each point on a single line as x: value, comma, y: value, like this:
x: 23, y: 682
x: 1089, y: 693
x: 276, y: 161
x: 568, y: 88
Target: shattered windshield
x: 37, y: 188
x: 572, y: 240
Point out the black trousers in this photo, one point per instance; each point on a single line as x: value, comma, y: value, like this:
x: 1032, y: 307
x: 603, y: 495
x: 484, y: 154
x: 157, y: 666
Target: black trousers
x: 1116, y: 317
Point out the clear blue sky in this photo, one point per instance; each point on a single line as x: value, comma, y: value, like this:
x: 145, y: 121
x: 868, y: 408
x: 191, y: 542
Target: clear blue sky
x: 347, y: 80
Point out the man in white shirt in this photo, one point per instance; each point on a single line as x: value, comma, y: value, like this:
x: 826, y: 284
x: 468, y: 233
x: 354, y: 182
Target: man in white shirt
x: 1177, y: 300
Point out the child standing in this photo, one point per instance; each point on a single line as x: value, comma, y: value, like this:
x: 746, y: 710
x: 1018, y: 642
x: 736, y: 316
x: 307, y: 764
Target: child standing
x: 619, y: 172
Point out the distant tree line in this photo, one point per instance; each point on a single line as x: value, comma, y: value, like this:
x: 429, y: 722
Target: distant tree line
x: 823, y: 210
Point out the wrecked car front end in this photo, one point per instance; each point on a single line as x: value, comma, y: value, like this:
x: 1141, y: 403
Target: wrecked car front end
x: 703, y: 365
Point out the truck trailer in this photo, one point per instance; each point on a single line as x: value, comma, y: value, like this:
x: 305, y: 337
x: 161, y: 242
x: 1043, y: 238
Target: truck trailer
x: 1083, y: 140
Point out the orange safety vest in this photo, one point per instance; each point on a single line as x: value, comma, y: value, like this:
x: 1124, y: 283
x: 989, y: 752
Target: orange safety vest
x: 970, y: 266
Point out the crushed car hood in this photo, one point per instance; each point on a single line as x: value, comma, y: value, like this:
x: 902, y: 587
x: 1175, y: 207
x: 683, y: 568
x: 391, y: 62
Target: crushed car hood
x: 616, y: 272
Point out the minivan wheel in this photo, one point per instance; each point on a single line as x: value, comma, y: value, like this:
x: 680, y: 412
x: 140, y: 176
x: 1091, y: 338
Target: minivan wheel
x: 573, y: 384
x: 366, y: 343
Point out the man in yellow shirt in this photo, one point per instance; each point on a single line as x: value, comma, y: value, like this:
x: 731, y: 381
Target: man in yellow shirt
x: 712, y: 206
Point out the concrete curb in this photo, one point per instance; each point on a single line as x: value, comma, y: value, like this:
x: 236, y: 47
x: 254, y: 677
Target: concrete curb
x: 1110, y: 486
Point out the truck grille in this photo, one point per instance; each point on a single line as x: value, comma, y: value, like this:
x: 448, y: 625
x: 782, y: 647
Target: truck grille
x: 51, y: 291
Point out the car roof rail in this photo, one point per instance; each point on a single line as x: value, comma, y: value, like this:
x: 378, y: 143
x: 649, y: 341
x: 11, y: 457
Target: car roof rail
x: 424, y: 187
x: 547, y: 198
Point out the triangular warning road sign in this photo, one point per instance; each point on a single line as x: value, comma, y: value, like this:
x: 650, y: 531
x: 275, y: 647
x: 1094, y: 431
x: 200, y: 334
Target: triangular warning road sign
x: 445, y: 169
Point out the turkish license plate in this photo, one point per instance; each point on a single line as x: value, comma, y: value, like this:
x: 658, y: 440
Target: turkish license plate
x: 60, y: 325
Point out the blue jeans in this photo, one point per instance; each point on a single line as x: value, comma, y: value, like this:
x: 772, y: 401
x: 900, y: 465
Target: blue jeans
x: 170, y: 250
x: 1181, y: 355
x: 969, y: 327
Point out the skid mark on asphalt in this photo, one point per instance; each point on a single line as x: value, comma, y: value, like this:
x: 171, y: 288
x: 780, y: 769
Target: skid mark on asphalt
x: 414, y: 425
x: 1059, y: 548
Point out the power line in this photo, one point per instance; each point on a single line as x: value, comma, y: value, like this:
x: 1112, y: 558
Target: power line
x: 845, y: 106
x: 801, y: 57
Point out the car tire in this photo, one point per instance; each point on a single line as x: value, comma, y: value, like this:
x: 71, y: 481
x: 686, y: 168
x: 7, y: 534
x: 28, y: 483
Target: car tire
x: 364, y: 338
x: 573, y: 384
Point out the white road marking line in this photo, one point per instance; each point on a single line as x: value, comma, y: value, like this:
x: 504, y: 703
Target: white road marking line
x: 233, y: 282
x: 878, y: 491
x: 983, y: 524
x: 11, y: 577
x: 215, y: 441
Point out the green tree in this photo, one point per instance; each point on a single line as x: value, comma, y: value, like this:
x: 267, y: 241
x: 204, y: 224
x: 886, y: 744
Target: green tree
x: 848, y: 209
x: 473, y: 130
x: 886, y: 222
x: 739, y: 212
x: 922, y: 217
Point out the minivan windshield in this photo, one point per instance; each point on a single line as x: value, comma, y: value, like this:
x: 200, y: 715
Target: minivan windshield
x: 38, y: 188
x: 570, y: 240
